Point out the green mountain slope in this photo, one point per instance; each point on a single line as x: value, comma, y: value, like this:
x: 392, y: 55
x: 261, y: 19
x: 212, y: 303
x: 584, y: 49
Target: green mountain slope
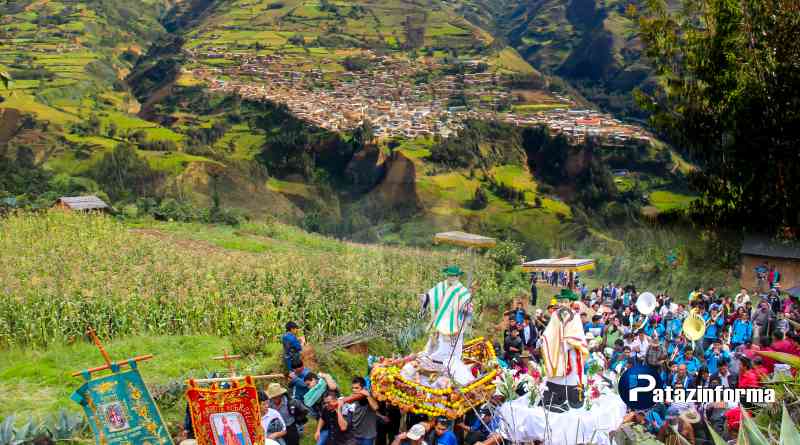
x: 591, y: 43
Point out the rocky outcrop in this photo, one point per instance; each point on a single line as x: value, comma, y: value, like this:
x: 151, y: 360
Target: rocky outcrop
x: 366, y: 169
x: 398, y: 190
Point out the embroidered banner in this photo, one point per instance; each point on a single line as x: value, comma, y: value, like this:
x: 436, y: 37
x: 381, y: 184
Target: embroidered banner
x: 225, y: 416
x: 120, y: 409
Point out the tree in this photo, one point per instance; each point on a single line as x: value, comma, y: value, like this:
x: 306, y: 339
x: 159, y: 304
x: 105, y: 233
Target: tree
x: 364, y: 134
x: 480, y: 200
x: 729, y: 92
x: 123, y: 174
x: 5, y: 78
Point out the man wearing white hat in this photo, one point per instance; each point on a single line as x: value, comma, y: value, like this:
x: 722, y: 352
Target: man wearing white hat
x: 412, y: 437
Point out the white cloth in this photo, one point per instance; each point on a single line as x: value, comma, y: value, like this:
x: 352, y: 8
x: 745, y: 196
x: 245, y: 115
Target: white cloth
x: 441, y: 349
x: 269, y: 417
x: 521, y: 423
x: 570, y: 379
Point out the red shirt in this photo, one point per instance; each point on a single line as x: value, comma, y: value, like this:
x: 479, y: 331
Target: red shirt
x: 733, y: 417
x: 749, y: 379
x: 786, y: 346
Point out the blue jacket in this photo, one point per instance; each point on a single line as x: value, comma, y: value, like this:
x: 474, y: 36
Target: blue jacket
x: 713, y: 360
x: 680, y: 347
x: 290, y: 342
x: 713, y: 329
x: 692, y: 366
x: 742, y: 331
x: 675, y: 327
x: 298, y: 385
x: 654, y: 421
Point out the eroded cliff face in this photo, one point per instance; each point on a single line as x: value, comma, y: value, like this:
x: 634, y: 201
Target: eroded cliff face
x: 367, y: 169
x: 399, y: 186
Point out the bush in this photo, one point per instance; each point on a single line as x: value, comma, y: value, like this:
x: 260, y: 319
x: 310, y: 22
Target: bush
x: 506, y: 254
x: 355, y: 63
x: 480, y: 200
x: 247, y: 344
x: 165, y: 145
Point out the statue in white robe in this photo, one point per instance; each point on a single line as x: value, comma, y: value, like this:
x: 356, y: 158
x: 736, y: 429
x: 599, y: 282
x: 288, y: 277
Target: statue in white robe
x: 449, y: 303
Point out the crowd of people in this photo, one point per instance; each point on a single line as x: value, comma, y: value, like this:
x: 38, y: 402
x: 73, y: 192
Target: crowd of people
x: 735, y: 328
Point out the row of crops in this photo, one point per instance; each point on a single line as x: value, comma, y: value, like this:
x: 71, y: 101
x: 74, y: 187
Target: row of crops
x: 62, y: 272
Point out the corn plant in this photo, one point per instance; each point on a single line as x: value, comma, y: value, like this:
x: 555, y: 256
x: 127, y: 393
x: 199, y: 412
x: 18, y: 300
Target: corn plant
x: 62, y: 272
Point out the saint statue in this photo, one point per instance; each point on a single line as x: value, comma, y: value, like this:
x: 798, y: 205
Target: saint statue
x: 450, y: 307
x: 564, y: 351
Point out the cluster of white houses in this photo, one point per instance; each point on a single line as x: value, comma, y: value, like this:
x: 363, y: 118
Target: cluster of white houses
x: 398, y: 97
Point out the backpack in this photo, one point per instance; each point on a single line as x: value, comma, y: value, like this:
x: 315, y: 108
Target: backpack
x: 298, y: 411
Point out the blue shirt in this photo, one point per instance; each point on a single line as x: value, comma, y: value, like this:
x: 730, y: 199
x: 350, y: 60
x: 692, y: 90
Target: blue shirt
x: 448, y: 438
x: 713, y: 360
x: 712, y: 330
x: 299, y: 386
x: 654, y: 421
x: 290, y: 342
x: 742, y: 331
x: 592, y: 325
x: 692, y: 366
x: 675, y: 326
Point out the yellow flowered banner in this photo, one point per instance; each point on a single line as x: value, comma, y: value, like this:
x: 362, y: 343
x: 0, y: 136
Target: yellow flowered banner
x: 120, y: 409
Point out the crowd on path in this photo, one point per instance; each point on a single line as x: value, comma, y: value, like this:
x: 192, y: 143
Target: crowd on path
x: 735, y: 328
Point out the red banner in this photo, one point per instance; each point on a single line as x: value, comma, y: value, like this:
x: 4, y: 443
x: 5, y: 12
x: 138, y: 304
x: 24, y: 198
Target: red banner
x: 226, y: 416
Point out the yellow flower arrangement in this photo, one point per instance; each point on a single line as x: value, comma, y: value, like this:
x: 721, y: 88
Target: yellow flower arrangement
x: 451, y: 402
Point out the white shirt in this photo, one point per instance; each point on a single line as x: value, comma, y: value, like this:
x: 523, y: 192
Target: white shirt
x: 269, y: 417
x: 741, y: 300
x: 642, y: 344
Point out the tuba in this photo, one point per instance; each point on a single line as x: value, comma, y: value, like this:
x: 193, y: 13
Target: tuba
x: 694, y: 326
x: 646, y: 303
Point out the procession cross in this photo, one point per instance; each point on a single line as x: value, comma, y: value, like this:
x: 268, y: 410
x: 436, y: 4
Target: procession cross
x: 96, y: 340
x: 229, y: 361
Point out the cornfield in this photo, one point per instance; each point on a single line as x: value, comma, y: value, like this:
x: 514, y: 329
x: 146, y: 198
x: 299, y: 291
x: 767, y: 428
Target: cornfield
x: 63, y: 272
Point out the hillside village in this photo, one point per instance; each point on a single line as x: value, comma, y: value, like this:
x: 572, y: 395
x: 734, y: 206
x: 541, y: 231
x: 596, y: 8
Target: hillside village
x: 402, y: 98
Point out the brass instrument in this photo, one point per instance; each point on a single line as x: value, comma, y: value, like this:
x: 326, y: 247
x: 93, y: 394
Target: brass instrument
x: 694, y: 327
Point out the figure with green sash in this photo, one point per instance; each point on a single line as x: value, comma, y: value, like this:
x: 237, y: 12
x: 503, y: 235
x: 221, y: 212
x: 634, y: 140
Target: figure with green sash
x: 449, y: 303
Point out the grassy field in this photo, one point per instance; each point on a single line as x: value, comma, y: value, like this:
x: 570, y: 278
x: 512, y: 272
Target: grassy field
x: 188, y: 292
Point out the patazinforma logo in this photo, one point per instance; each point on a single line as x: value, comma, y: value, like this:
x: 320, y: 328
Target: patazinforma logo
x: 637, y: 386
x: 641, y: 387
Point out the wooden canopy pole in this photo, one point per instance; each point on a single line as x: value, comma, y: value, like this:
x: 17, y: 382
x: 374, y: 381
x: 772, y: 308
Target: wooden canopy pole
x: 96, y: 340
x: 93, y: 334
x: 230, y: 379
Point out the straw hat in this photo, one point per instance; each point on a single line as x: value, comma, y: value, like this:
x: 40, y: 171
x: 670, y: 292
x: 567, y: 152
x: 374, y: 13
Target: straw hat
x: 275, y: 390
x: 689, y: 416
x: 188, y: 442
x: 416, y: 432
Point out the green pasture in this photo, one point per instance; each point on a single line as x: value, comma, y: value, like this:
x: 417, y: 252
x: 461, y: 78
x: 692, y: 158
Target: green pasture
x: 665, y: 200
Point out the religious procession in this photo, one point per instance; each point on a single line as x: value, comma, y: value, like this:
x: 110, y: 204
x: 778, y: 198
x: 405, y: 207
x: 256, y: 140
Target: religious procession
x: 567, y: 372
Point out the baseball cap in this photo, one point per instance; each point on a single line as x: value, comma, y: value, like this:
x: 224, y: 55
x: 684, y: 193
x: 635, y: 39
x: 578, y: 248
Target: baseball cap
x: 416, y: 432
